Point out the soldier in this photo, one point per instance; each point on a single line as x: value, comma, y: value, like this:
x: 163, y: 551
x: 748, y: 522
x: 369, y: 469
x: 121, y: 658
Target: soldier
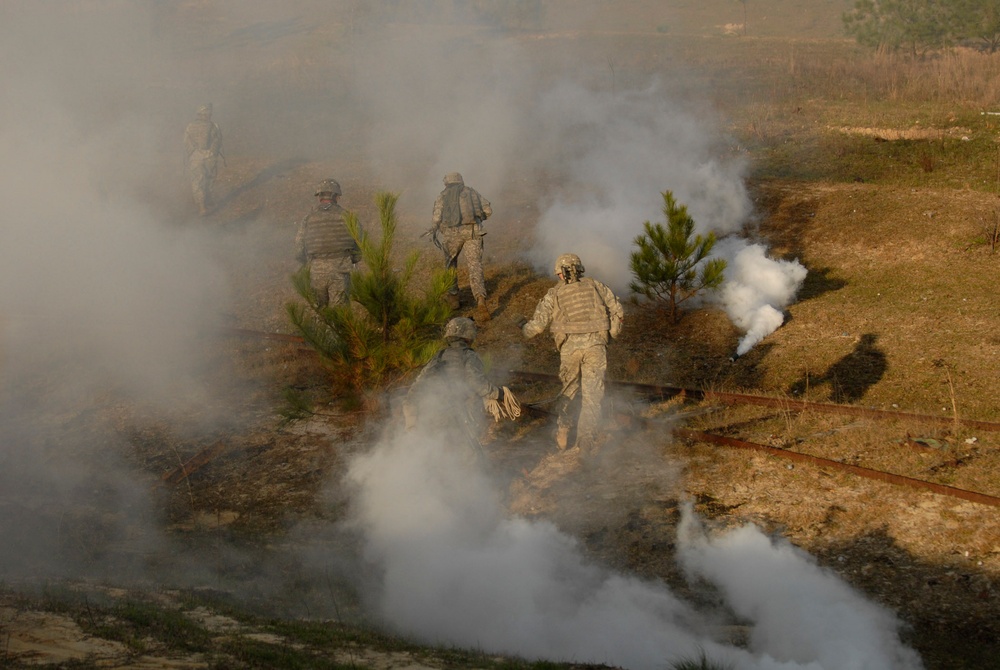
x: 326, y: 246
x: 448, y: 387
x: 459, y: 212
x: 581, y: 313
x: 203, y: 147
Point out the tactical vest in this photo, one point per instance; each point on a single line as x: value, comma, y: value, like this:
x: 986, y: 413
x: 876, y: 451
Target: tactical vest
x: 326, y: 234
x: 470, y: 207
x: 579, y: 309
x: 202, y: 136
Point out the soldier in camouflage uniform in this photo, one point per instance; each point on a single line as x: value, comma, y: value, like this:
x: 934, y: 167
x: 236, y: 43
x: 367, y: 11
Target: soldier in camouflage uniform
x: 326, y: 246
x: 449, y: 391
x: 581, y: 313
x: 458, y: 216
x: 203, y: 148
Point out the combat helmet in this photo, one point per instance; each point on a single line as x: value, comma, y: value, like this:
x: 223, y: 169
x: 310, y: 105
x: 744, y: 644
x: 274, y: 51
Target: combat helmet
x: 329, y: 186
x: 566, y: 263
x: 205, y: 110
x: 453, y: 178
x: 460, y: 328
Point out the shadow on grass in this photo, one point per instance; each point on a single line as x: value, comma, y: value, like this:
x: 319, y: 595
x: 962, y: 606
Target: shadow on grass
x: 850, y: 377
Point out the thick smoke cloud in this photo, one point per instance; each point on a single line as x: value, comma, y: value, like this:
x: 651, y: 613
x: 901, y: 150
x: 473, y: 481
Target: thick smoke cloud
x: 601, y: 157
x: 456, y: 570
x: 105, y: 299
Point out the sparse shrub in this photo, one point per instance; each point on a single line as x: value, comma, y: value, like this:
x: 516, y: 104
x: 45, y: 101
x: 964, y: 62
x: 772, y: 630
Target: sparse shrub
x: 671, y: 266
x: 386, y: 331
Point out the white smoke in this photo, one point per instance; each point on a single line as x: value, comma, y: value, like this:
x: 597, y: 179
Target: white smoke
x: 455, y: 569
x: 757, y: 289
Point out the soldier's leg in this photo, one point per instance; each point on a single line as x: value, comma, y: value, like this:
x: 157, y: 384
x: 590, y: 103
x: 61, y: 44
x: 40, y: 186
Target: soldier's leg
x: 569, y: 375
x: 474, y: 259
x: 593, y: 366
x: 197, y: 175
x: 322, y: 273
x: 340, y: 281
x: 451, y: 243
x: 211, y: 169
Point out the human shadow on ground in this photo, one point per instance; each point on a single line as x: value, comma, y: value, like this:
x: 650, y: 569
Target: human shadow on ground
x: 262, y: 177
x: 850, y: 377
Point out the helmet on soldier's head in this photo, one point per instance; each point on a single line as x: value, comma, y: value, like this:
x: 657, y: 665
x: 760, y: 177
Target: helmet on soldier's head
x: 205, y: 110
x: 569, y: 261
x: 453, y: 178
x: 460, y: 328
x: 330, y: 186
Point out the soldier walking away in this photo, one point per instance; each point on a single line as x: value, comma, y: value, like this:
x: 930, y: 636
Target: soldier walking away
x: 459, y: 212
x: 203, y: 148
x: 581, y: 313
x: 452, y: 391
x: 326, y: 246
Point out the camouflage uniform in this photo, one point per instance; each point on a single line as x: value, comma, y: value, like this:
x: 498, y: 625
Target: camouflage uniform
x: 581, y: 313
x: 203, y: 147
x: 326, y: 246
x: 459, y: 212
x: 449, y: 391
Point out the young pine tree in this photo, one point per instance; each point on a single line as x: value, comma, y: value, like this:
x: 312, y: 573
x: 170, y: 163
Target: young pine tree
x: 670, y: 266
x: 388, y: 329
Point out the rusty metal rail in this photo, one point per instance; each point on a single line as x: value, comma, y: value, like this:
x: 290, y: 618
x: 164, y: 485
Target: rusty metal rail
x: 869, y: 473
x: 655, y: 391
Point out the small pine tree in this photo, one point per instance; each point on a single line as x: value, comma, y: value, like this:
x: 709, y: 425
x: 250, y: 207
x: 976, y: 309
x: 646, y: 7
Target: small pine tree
x: 386, y: 331
x: 670, y: 266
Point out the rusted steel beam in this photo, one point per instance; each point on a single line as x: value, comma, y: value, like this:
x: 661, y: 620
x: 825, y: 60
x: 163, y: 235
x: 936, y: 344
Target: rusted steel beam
x: 879, y: 475
x: 652, y: 390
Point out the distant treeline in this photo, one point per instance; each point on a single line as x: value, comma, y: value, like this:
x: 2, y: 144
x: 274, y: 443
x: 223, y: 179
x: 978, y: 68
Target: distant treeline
x: 920, y: 26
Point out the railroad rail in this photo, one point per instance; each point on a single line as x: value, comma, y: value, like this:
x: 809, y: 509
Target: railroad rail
x: 941, y: 489
x: 656, y: 391
x: 661, y: 391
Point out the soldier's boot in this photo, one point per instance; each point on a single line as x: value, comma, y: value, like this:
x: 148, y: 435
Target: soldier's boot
x: 482, y: 311
x: 453, y: 300
x: 562, y: 437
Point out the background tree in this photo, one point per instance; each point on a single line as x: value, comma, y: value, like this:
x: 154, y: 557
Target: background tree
x: 915, y: 26
x: 979, y: 20
x: 388, y: 329
x: 670, y: 265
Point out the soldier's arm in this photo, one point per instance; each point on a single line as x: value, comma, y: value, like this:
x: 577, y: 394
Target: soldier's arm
x: 616, y: 313
x: 475, y: 375
x: 438, y: 209
x: 485, y: 207
x: 542, y: 317
x: 300, y: 241
x: 216, y: 139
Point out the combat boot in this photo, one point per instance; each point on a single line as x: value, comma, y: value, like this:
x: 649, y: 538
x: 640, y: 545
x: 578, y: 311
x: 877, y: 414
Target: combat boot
x: 482, y: 311
x: 453, y: 300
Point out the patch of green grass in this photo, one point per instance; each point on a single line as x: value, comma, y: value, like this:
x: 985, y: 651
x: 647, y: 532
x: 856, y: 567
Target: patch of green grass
x: 257, y: 654
x: 131, y: 622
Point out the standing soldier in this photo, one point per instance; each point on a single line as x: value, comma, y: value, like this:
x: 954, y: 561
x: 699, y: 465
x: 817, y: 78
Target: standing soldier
x: 581, y: 313
x: 459, y: 212
x: 326, y: 246
x: 203, y: 147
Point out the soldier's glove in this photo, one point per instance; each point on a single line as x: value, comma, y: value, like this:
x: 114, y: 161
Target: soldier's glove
x: 522, y: 322
x: 500, y: 395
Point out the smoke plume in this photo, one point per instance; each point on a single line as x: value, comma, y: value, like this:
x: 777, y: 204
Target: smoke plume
x: 456, y: 570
